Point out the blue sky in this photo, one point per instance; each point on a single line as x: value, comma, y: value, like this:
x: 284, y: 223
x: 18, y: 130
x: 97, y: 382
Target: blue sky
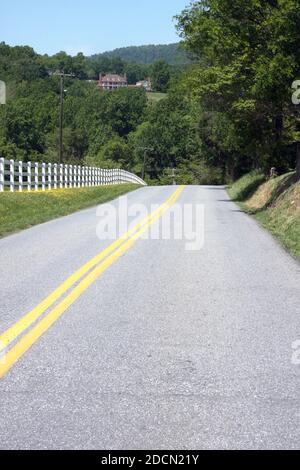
x: 88, y: 26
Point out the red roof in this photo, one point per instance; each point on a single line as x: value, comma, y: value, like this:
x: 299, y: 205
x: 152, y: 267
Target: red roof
x: 114, y: 78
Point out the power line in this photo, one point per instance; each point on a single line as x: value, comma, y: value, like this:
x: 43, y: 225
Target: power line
x: 62, y: 76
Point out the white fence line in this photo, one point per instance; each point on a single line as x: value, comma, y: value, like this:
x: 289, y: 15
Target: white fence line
x: 20, y: 176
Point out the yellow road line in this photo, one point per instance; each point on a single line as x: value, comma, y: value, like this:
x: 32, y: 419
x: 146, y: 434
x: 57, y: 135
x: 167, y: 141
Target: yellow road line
x: 17, y: 351
x: 26, y: 321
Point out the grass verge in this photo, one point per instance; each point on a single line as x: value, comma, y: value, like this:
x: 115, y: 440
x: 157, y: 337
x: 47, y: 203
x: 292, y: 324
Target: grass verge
x: 19, y: 211
x: 276, y: 205
x: 246, y: 186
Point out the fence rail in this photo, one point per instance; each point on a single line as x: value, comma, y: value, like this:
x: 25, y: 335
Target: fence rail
x: 20, y: 176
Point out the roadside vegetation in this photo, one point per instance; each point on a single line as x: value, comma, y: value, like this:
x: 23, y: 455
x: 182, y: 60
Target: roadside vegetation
x: 274, y: 203
x: 19, y: 211
x: 246, y: 185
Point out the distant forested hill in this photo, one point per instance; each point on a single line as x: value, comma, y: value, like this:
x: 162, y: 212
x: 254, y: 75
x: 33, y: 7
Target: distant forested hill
x: 171, y: 53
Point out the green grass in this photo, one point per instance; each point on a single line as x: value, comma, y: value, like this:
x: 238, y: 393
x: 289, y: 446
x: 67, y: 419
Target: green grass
x: 19, y: 211
x: 275, y: 204
x: 282, y: 218
x: 154, y: 97
x: 246, y: 185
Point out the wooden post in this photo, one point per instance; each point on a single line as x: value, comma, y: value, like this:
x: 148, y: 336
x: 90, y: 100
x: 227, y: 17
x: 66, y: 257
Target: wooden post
x: 79, y: 176
x: 70, y: 176
x: 49, y: 176
x: 2, y: 174
x: 55, y: 175
x: 66, y: 176
x: 75, y: 183
x: 61, y: 175
x: 20, y: 171
x: 28, y: 176
x: 36, y: 176
x: 43, y: 176
x: 11, y: 175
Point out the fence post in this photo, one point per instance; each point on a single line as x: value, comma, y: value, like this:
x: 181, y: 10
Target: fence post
x: 43, y: 176
x: 2, y: 175
x: 79, y: 176
x: 28, y: 176
x: 36, y: 176
x: 75, y: 176
x: 55, y: 175
x: 11, y: 175
x: 49, y: 176
x: 61, y: 175
x: 70, y: 176
x: 66, y: 176
x: 20, y: 171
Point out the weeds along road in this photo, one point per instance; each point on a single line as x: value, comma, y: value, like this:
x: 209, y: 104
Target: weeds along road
x: 149, y: 345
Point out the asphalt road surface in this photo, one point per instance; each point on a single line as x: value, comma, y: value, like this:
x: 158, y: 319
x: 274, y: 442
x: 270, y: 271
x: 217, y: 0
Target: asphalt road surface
x: 165, y: 348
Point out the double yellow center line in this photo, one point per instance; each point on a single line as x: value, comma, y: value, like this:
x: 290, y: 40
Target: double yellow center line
x: 87, y: 274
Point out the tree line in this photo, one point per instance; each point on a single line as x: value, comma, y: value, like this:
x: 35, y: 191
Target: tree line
x: 99, y: 126
x: 226, y: 113
x: 173, y: 54
x: 248, y: 56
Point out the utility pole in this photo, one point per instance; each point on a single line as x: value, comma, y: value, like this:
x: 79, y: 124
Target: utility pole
x: 61, y: 118
x: 145, y: 149
x: 62, y: 76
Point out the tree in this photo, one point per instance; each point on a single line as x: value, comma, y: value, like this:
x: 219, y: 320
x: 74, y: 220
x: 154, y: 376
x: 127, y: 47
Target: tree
x: 116, y: 153
x: 248, y: 56
x: 125, y: 109
x: 160, y: 76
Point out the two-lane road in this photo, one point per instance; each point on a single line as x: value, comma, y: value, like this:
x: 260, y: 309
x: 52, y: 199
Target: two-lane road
x: 150, y: 346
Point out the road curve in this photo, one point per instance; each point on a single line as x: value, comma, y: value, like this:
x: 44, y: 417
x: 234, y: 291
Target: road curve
x: 166, y: 349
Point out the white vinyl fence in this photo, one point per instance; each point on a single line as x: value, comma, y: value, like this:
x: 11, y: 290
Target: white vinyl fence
x: 30, y: 176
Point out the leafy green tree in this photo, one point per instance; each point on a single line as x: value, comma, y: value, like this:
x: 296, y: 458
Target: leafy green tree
x: 248, y: 56
x: 125, y: 109
x: 160, y: 76
x: 116, y: 152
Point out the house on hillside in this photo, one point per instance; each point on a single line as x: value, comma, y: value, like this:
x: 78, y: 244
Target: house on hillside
x: 112, y: 81
x: 145, y: 84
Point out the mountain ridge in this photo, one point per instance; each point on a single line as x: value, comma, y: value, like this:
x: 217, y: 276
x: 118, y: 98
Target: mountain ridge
x: 147, y: 54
